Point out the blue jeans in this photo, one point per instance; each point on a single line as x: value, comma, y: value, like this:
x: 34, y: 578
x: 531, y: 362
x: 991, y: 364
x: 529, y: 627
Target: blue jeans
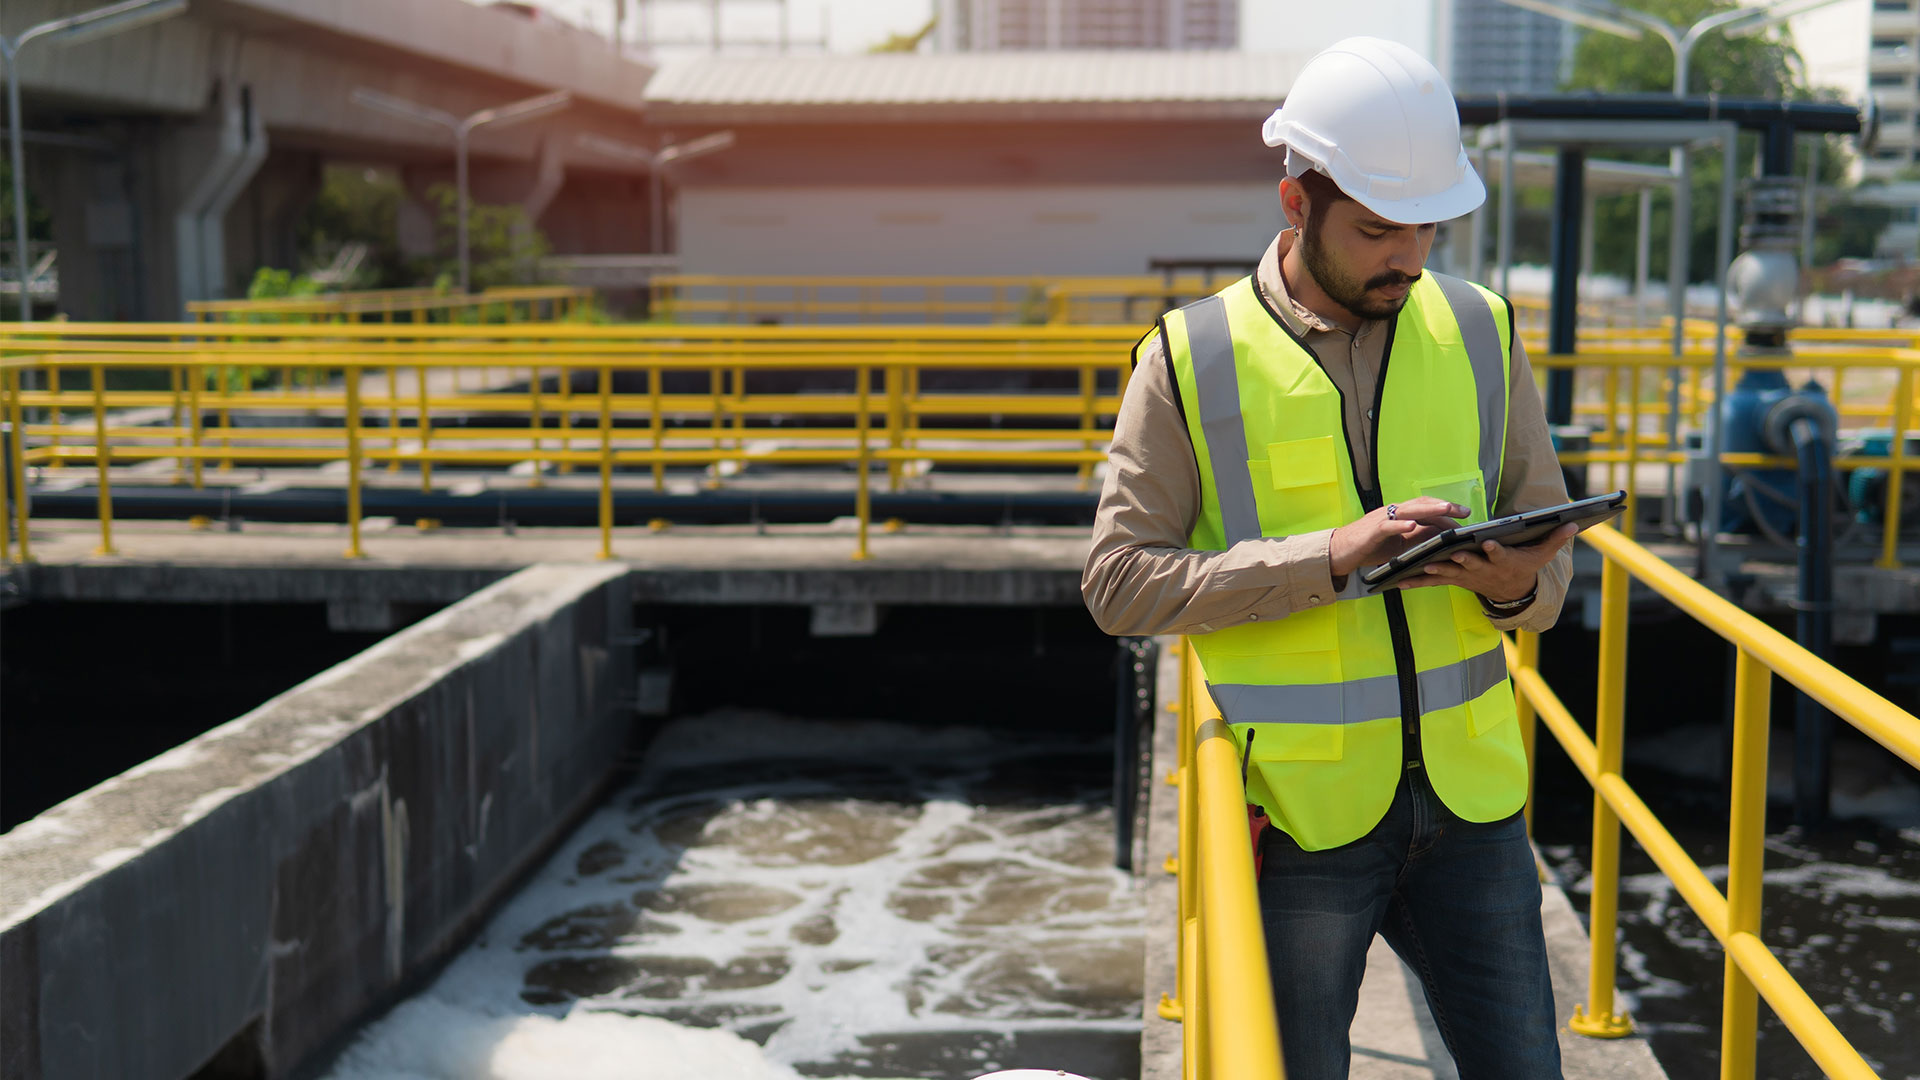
x: 1459, y: 901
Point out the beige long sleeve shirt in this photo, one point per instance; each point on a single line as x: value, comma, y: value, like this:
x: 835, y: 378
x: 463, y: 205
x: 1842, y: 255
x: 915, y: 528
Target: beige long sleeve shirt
x: 1142, y: 578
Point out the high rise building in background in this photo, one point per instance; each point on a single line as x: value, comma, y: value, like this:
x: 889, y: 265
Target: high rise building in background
x: 984, y: 25
x: 1893, y: 63
x: 1491, y: 46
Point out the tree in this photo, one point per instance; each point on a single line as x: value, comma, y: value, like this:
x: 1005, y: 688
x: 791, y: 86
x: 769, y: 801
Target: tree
x: 1761, y: 66
x: 503, y: 247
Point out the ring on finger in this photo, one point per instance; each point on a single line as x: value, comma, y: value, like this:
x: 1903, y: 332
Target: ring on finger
x: 1392, y: 508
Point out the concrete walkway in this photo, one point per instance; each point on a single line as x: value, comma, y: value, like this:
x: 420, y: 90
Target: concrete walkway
x: 1394, y: 1036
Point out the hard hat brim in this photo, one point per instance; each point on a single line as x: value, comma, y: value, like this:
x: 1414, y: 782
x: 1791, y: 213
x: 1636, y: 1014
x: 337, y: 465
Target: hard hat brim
x: 1462, y: 198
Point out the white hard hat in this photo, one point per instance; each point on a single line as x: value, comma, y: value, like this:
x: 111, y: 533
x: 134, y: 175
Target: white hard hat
x: 1031, y: 1074
x: 1378, y: 119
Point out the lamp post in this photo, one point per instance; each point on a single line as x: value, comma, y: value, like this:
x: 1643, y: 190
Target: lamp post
x: 499, y: 116
x: 656, y: 162
x: 86, y: 26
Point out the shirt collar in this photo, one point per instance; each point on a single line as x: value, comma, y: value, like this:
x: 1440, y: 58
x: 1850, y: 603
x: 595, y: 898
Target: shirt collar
x: 1297, y: 318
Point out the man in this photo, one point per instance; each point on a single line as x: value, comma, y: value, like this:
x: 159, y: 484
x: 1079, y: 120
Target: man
x: 1313, y: 419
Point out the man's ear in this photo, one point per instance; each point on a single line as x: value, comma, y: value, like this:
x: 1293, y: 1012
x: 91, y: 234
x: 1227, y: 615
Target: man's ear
x: 1293, y: 202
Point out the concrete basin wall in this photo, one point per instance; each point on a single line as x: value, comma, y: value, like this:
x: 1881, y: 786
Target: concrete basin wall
x: 252, y: 894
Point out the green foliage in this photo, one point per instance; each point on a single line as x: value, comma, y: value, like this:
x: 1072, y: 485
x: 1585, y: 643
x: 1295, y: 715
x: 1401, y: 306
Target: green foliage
x: 1758, y: 66
x: 356, y: 205
x: 907, y: 43
x: 1762, y: 66
x: 503, y: 246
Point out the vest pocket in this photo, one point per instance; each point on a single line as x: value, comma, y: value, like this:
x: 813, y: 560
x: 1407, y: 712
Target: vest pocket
x: 1299, y: 742
x: 1306, y: 477
x: 1463, y: 489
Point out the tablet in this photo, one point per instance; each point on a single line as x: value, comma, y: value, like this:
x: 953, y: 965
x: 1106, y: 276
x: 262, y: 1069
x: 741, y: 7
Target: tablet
x: 1513, y: 531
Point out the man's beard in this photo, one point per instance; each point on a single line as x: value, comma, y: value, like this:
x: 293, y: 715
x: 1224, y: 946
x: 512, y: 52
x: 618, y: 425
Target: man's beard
x: 1341, y: 287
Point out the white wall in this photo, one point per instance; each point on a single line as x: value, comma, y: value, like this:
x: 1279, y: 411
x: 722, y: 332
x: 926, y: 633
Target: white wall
x: 1054, y: 230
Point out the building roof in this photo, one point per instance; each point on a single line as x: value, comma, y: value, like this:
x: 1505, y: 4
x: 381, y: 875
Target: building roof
x: 973, y: 86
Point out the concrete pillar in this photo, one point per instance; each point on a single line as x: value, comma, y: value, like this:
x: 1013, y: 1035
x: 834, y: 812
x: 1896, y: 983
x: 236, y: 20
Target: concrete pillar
x: 89, y: 192
x: 261, y: 226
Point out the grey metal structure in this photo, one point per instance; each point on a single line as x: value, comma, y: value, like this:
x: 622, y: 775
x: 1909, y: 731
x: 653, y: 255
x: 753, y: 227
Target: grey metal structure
x: 1506, y: 136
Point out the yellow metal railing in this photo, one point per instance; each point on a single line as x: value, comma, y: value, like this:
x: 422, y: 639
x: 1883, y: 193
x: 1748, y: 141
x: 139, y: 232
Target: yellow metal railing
x: 714, y: 412
x: 1224, y: 997
x: 1133, y: 300
x: 516, y: 303
x: 1631, y: 399
x: 1752, y: 970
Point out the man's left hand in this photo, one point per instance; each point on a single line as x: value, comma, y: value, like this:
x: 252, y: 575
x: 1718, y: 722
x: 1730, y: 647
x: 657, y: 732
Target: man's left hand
x: 1501, y: 574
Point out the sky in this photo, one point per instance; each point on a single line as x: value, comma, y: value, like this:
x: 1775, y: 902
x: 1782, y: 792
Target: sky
x: 1832, y: 39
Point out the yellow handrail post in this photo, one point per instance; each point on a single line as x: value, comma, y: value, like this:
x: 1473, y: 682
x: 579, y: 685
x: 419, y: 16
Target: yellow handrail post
x: 1633, y: 454
x: 862, y: 496
x: 352, y: 378
x: 1896, y: 467
x: 566, y: 413
x: 424, y: 429
x: 196, y: 424
x: 226, y: 420
x: 1089, y: 383
x: 54, y: 417
x: 656, y: 425
x: 1235, y: 978
x: 176, y: 413
x: 103, y: 458
x: 716, y: 387
x: 1746, y: 852
x: 534, y: 424
x: 606, y: 462
x: 1597, y: 1018
x: 895, y: 421
x: 1612, y: 392
x: 393, y: 413
x: 19, y: 463
x: 1528, y: 647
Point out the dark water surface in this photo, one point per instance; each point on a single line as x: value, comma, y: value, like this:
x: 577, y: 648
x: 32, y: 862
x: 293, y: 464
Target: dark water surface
x: 1841, y: 903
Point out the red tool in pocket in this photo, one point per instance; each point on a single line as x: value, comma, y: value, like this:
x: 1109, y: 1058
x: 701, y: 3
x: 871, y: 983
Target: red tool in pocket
x: 1256, y: 818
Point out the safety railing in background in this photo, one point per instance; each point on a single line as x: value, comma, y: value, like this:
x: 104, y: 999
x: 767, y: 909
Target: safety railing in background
x: 1628, y: 410
x: 1224, y: 996
x: 503, y: 304
x: 1623, y: 400
x: 1133, y: 300
x: 1752, y: 969
x: 362, y: 414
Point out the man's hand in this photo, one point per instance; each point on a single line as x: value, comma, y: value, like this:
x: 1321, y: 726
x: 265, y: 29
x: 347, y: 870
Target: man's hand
x: 1377, y: 537
x: 1503, y: 574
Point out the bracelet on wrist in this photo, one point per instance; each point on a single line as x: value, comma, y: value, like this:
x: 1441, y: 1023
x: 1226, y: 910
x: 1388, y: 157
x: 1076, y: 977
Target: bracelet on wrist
x: 1511, y: 605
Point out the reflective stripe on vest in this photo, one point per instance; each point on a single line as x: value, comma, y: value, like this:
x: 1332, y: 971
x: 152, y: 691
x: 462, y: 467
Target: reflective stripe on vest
x: 1326, y: 688
x: 1213, y: 372
x: 1359, y: 700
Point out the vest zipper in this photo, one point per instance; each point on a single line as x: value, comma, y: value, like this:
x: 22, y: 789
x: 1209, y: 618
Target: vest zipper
x: 1403, y: 659
x: 1246, y: 758
x: 1397, y: 630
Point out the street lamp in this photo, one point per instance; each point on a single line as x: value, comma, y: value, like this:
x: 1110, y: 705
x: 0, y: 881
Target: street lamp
x: 86, y: 26
x: 1627, y: 23
x: 656, y: 162
x: 500, y: 116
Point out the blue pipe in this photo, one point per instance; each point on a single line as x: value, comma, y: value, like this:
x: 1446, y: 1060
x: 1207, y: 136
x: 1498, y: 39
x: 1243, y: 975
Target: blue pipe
x: 1812, y: 723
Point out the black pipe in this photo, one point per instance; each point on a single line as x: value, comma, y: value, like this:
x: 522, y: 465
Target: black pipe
x: 1751, y: 114
x: 573, y: 506
x: 1569, y: 204
x: 1812, y: 723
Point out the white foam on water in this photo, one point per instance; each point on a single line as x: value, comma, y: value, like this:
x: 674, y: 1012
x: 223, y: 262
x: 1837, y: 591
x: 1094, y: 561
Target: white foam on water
x: 818, y: 914
x: 428, y: 1038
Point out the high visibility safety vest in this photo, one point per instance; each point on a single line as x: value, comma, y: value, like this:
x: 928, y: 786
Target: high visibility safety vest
x: 1321, y: 700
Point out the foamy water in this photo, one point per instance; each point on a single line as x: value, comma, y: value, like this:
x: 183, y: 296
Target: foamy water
x: 776, y: 898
